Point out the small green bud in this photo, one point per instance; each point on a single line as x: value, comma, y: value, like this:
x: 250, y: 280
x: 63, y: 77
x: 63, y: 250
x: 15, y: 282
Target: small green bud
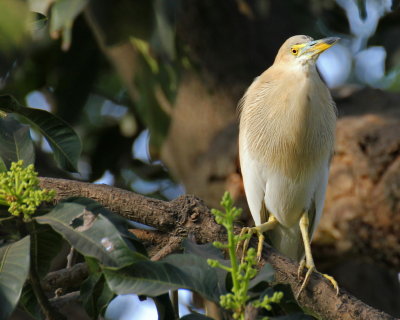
x: 219, y: 245
x: 212, y: 263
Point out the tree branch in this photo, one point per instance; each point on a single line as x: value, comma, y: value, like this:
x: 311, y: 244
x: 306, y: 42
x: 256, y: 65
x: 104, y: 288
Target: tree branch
x: 61, y: 301
x: 65, y: 278
x: 179, y: 217
x: 189, y: 215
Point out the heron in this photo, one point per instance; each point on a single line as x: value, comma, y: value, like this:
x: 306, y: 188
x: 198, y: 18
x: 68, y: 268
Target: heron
x: 286, y: 142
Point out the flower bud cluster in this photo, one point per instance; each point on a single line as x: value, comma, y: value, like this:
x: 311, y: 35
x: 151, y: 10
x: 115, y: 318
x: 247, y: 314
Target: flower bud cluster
x: 19, y: 190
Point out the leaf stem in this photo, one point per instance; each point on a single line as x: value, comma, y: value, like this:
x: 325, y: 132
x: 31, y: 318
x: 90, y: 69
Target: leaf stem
x: 48, y: 311
x: 45, y: 306
x: 232, y: 256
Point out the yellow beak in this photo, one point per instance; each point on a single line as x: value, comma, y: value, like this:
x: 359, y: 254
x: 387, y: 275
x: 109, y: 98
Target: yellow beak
x: 315, y: 47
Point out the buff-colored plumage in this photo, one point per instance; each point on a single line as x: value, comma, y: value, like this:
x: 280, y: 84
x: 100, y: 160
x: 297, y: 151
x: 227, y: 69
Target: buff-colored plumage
x: 287, y: 126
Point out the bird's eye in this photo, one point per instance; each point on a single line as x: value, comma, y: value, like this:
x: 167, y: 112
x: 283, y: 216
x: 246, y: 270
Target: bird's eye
x: 295, y: 51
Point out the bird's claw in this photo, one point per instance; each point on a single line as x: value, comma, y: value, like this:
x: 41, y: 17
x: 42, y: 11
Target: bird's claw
x: 244, y: 240
x: 310, y: 269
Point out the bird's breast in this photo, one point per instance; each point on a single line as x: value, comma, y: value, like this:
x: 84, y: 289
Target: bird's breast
x: 289, y: 128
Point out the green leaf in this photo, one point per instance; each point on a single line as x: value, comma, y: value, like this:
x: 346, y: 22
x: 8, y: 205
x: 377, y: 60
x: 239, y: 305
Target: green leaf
x: 95, y: 295
x: 288, y: 303
x: 45, y: 244
x: 121, y: 224
x: 29, y: 303
x: 15, y: 142
x: 62, y: 139
x: 198, y: 268
x: 266, y: 274
x: 14, y: 267
x: 90, y: 234
x: 155, y: 278
x: 208, y: 251
x: 195, y: 316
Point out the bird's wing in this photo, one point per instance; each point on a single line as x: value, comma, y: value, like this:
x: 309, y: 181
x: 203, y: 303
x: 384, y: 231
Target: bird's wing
x: 289, y: 240
x: 317, y: 205
x: 254, y: 183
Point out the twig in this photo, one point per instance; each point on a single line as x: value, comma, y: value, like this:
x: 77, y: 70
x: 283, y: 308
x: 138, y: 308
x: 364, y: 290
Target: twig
x: 154, y: 237
x: 61, y: 301
x: 173, y: 244
x: 188, y: 215
x: 65, y: 278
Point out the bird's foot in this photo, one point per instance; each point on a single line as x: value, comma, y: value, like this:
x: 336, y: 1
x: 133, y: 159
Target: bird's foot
x: 244, y: 239
x: 310, y: 268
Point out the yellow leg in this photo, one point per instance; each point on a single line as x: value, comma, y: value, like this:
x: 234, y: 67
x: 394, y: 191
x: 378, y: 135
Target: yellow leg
x: 259, y: 230
x: 309, y: 261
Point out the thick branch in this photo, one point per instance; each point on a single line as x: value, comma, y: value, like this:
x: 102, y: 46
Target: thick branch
x: 188, y: 215
x: 180, y: 216
x: 320, y: 297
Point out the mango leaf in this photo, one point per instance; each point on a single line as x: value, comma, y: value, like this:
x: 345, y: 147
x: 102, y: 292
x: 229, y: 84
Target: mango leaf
x: 46, y: 243
x: 121, y: 224
x: 14, y: 267
x: 288, y: 303
x: 15, y: 142
x: 62, y: 139
x: 29, y: 303
x: 95, y: 295
x: 208, y: 251
x: 152, y: 279
x: 264, y: 276
x: 90, y: 234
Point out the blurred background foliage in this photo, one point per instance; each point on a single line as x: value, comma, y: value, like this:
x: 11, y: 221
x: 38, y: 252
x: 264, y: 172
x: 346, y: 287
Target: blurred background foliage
x: 112, y: 69
x: 151, y: 86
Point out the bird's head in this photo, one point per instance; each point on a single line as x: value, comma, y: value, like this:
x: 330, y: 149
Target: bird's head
x: 303, y: 50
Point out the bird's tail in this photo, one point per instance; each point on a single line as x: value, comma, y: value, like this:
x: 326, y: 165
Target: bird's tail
x: 288, y: 241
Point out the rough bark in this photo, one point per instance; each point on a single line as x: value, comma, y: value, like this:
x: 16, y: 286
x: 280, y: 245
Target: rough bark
x: 193, y: 217
x: 177, y: 217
